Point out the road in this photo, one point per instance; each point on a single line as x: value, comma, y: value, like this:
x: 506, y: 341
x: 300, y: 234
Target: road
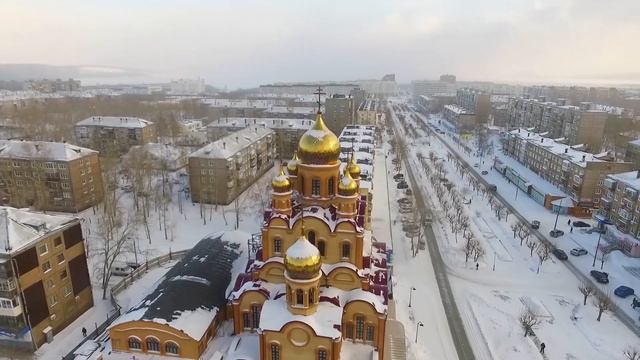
x: 456, y: 326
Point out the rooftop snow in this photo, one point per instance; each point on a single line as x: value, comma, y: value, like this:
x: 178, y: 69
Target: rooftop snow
x: 42, y: 150
x: 629, y: 178
x: 21, y: 228
x: 242, y: 103
x: 565, y: 151
x: 115, y: 121
x: 457, y: 109
x: 306, y: 110
x: 271, y: 123
x: 231, y: 144
x: 324, y: 321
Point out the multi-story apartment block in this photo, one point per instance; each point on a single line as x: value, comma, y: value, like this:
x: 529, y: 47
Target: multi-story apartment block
x: 114, y: 135
x: 461, y: 119
x: 584, y: 124
x: 577, y: 173
x: 220, y: 171
x: 338, y: 112
x: 475, y: 101
x: 632, y: 153
x: 308, y: 89
x: 49, y: 176
x: 287, y: 131
x: 224, y: 108
x: 291, y: 112
x: 621, y: 207
x: 367, y: 113
x: 44, y: 279
x: 432, y: 87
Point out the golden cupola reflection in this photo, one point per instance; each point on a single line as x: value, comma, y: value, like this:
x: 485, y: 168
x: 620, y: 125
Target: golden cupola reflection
x: 347, y: 185
x: 354, y: 169
x: 292, y: 165
x: 281, y: 183
x: 302, y: 260
x: 319, y: 145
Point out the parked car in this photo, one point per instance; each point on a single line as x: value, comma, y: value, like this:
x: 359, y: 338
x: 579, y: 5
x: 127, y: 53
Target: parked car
x: 578, y: 252
x: 492, y: 187
x: 600, y: 276
x: 408, y: 192
x: 121, y: 269
x: 556, y: 233
x: 623, y: 291
x: 402, y: 185
x: 535, y: 224
x: 398, y: 176
x: 484, y: 172
x: 560, y: 254
x: 476, y: 165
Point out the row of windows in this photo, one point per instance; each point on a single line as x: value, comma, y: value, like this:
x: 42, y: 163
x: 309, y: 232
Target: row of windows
x: 321, y: 245
x: 275, y: 353
x: 35, y: 164
x: 153, y: 345
x: 251, y: 320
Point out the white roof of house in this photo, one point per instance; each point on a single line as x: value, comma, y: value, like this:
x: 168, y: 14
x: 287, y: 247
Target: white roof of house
x: 565, y: 151
x: 20, y: 228
x: 271, y: 123
x: 42, y: 150
x: 458, y: 110
x: 275, y: 315
x: 242, y: 103
x: 115, y: 121
x: 306, y: 110
x: 229, y: 145
x: 630, y: 178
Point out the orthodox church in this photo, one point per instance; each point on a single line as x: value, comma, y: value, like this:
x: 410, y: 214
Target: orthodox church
x: 318, y: 284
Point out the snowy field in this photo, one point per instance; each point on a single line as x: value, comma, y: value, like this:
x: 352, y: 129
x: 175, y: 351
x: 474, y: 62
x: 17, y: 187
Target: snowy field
x: 491, y: 301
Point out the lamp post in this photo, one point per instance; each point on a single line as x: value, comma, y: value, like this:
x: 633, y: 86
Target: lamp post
x: 555, y: 226
x: 600, y: 224
x: 494, y: 261
x: 418, y: 325
x: 411, y: 293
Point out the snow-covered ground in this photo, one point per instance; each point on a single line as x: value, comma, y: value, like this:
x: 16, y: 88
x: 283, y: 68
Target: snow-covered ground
x: 491, y: 301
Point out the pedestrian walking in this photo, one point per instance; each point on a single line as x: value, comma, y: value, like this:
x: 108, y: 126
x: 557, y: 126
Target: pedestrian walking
x: 542, y: 347
x: 571, y: 230
x: 569, y: 222
x: 84, y: 332
x: 477, y: 266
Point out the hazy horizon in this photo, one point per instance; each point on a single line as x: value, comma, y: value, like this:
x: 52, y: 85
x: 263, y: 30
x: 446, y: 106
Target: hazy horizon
x: 245, y: 44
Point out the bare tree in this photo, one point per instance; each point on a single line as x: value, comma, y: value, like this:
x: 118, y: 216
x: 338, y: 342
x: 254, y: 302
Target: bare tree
x: 528, y: 321
x: 544, y: 254
x: 498, y: 208
x: 469, y: 246
x: 603, y: 256
x: 478, y: 250
x: 524, y: 233
x: 603, y: 303
x: 632, y: 353
x: 586, y: 290
x: 531, y: 244
x: 464, y: 224
x: 515, y: 227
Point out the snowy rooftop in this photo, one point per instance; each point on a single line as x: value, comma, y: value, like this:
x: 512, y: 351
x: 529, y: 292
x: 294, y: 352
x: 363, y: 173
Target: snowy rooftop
x: 271, y: 123
x: 231, y: 144
x: 204, y: 274
x: 115, y: 121
x: 325, y: 322
x: 20, y: 228
x: 630, y: 178
x: 243, y: 103
x: 304, y: 110
x: 42, y: 150
x: 327, y: 215
x: 457, y: 109
x: 565, y: 151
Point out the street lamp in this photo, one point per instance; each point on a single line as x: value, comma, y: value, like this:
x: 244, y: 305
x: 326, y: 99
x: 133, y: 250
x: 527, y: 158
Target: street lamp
x: 555, y: 226
x: 600, y: 223
x: 410, y: 293
x: 418, y: 325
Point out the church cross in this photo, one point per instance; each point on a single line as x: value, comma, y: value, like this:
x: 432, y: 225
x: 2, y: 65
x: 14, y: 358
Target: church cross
x: 319, y: 93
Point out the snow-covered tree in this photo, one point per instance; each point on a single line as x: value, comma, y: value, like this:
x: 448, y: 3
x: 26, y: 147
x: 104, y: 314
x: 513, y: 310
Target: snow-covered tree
x: 603, y: 303
x: 528, y: 321
x: 586, y: 290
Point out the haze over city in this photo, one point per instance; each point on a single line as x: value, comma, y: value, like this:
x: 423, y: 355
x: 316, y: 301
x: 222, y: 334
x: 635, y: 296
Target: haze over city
x: 247, y: 43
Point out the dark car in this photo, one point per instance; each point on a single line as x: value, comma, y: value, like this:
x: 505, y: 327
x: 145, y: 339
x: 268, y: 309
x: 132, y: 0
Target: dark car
x: 600, y: 276
x: 492, y: 187
x: 398, y: 176
x: 560, y: 254
x: 403, y: 185
x: 556, y: 233
x: 484, y: 172
x: 535, y: 224
x: 623, y: 291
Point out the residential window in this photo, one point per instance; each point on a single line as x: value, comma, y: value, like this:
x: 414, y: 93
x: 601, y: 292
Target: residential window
x: 50, y: 283
x: 57, y: 241
x: 346, y: 250
x: 277, y: 246
x: 171, y: 348
x: 134, y: 344
x: 275, y: 352
x: 370, y: 332
x: 6, y: 304
x: 60, y: 258
x: 63, y: 274
x: 46, y: 266
x: 315, y: 187
x: 153, y: 345
x: 43, y: 249
x: 53, y: 300
x: 66, y: 290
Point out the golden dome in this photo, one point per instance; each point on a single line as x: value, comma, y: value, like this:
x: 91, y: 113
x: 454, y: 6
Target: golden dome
x: 281, y: 182
x: 292, y: 165
x: 319, y: 145
x: 302, y: 259
x: 347, y: 185
x: 353, y: 167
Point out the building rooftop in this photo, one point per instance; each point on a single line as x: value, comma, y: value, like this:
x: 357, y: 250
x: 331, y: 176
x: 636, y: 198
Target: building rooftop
x: 458, y: 110
x: 115, y: 121
x: 271, y: 123
x: 42, y: 150
x: 231, y: 144
x: 303, y: 110
x: 569, y: 153
x: 190, y: 295
x: 630, y: 178
x: 21, y: 228
x: 243, y: 103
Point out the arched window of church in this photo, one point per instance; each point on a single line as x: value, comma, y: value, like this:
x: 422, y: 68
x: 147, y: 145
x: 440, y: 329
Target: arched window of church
x: 171, y: 348
x: 299, y: 297
x: 255, y: 314
x: 321, y: 246
x: 246, y: 323
x: 277, y: 246
x: 359, y: 327
x: 153, y: 345
x: 322, y: 354
x: 275, y: 352
x: 134, y: 343
x: 315, y: 187
x: 311, y: 296
x: 349, y: 331
x: 346, y: 250
x: 370, y: 332
x: 311, y: 236
x: 331, y: 184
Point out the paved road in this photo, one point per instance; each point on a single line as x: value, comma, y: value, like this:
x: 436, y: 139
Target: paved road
x: 460, y: 339
x: 622, y: 316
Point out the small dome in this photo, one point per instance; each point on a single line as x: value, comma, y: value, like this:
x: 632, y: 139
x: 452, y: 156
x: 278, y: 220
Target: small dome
x: 281, y: 182
x: 302, y: 259
x: 319, y: 145
x: 347, y: 185
x: 292, y: 165
x: 354, y: 169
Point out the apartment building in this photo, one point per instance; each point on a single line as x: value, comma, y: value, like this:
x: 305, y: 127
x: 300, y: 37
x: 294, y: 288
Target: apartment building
x: 432, y: 87
x: 287, y: 131
x: 367, y: 113
x: 222, y: 170
x: 584, y: 124
x: 338, y: 112
x: 49, y: 176
x: 621, y: 206
x: 632, y: 153
x: 114, y: 135
x: 577, y: 173
x: 460, y: 118
x: 44, y: 279
x: 291, y: 112
x: 433, y: 103
x: 306, y: 88
x: 475, y: 101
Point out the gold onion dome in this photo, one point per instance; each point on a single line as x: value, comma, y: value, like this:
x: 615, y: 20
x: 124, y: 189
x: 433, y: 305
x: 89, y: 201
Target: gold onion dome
x: 319, y: 145
x: 353, y: 167
x: 281, y: 182
x: 292, y: 165
x: 347, y: 186
x: 302, y: 259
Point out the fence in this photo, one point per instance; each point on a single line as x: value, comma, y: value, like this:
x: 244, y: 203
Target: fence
x: 117, y: 288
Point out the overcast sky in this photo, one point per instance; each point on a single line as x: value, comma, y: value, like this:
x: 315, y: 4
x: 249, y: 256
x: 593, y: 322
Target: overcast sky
x: 245, y: 43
